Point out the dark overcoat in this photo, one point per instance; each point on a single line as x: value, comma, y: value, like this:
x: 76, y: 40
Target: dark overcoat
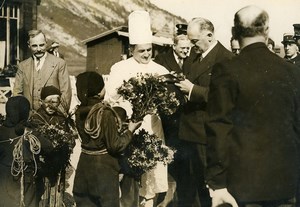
x: 193, y: 114
x: 253, y: 126
x: 168, y: 61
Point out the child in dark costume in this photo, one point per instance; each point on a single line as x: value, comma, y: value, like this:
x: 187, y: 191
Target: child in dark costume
x: 11, y: 133
x: 103, y: 139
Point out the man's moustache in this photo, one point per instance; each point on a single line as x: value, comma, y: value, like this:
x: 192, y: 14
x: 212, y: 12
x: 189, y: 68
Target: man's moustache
x: 39, y: 53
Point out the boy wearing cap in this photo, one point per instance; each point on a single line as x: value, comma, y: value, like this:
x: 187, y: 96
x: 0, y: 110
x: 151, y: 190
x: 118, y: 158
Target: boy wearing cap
x: 291, y: 49
x: 102, y: 140
x: 17, y: 111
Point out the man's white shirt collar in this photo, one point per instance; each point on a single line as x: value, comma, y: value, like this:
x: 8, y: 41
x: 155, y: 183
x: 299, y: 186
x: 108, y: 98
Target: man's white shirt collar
x: 203, y: 55
x: 42, y: 60
x: 209, y: 49
x: 176, y: 57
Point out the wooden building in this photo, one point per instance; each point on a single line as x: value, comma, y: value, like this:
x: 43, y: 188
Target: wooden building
x: 107, y: 48
x: 17, y: 17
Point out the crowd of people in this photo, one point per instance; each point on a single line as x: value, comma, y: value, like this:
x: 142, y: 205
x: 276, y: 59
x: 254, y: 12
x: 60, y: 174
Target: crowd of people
x: 236, y: 131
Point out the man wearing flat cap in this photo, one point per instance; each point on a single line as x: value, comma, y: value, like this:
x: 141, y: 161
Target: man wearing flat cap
x: 291, y: 49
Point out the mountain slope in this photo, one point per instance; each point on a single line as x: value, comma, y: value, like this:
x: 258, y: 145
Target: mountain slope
x: 70, y: 22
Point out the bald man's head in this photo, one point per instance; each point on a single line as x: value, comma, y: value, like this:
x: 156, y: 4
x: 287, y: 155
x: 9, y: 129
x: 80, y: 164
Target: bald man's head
x: 250, y: 21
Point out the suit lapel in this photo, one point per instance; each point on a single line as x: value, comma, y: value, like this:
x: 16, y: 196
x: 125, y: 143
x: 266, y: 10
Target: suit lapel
x: 173, y: 64
x: 198, y: 68
x: 48, y: 69
x: 29, y: 74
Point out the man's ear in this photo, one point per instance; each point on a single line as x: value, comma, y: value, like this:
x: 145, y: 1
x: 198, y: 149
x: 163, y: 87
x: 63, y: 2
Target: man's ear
x: 41, y: 101
x: 210, y: 36
x: 233, y: 32
x: 267, y: 33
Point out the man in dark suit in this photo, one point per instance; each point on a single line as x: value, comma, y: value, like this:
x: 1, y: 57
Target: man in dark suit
x: 253, y: 125
x: 197, y: 70
x: 173, y: 59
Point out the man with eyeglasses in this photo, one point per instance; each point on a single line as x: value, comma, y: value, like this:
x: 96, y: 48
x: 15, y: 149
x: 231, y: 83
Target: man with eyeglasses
x: 191, y: 128
x: 51, y: 102
x: 50, y: 108
x: 48, y: 114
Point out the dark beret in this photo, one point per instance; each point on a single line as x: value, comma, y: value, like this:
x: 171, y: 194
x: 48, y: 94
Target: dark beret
x: 48, y: 91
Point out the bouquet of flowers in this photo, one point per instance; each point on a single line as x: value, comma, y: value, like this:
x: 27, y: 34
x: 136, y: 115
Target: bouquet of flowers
x: 57, y: 140
x: 144, y: 152
x: 58, y: 136
x: 148, y: 94
x: 55, y: 158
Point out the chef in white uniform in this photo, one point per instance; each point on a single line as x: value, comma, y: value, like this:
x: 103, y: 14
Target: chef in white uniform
x: 140, y: 39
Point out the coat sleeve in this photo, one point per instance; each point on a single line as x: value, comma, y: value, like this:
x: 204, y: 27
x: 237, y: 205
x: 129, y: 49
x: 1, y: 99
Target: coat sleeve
x: 115, y: 141
x: 65, y: 83
x: 159, y: 60
x: 19, y: 82
x: 223, y: 90
x: 199, y: 94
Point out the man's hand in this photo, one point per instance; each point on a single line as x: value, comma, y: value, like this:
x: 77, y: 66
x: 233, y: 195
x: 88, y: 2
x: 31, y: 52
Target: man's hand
x: 222, y: 196
x: 185, y: 86
x: 132, y: 126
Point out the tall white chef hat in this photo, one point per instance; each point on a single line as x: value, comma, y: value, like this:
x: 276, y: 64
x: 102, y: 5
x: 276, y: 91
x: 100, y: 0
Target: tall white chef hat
x: 139, y: 28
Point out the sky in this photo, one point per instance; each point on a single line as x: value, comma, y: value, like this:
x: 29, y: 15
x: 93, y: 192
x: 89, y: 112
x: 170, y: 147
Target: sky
x: 283, y: 14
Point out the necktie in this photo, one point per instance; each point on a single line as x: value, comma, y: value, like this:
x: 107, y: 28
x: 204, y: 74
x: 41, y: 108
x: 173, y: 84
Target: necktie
x: 180, y: 63
x: 38, y: 64
x: 200, y: 58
